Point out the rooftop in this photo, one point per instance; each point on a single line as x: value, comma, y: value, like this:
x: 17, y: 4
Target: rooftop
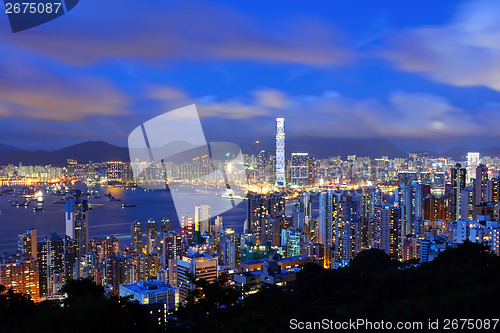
x: 149, y: 287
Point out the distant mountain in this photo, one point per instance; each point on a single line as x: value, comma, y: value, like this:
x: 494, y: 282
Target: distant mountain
x: 99, y: 151
x: 96, y: 151
x: 4, y: 148
x: 327, y: 147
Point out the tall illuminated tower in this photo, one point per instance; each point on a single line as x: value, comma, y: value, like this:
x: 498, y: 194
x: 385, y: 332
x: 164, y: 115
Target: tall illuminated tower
x: 472, y: 163
x: 280, y: 151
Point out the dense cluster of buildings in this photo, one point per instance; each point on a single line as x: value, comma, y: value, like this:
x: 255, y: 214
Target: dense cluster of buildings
x: 314, y: 211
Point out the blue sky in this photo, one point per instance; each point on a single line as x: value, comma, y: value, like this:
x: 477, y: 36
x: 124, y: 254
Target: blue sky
x: 423, y: 74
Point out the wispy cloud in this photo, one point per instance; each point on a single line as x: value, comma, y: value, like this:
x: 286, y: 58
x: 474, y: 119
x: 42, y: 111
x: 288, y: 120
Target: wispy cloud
x: 156, y: 31
x: 464, y: 52
x: 399, y: 115
x: 48, y: 96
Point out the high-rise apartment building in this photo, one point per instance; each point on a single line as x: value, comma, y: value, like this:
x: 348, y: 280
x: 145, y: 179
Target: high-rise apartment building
x: 386, y: 234
x: 51, y: 263
x: 151, y: 236
x: 229, y: 248
x: 260, y: 209
x: 77, y: 222
x: 458, y: 182
x: 21, y: 274
x: 345, y: 232
x: 472, y: 163
x: 311, y: 171
x: 481, y: 184
x: 190, y: 268
x: 202, y: 219
x: 26, y: 243
x: 325, y: 223
x: 410, y: 202
x: 136, y: 237
x: 300, y: 169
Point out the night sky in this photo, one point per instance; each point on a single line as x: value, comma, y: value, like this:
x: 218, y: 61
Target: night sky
x: 424, y: 74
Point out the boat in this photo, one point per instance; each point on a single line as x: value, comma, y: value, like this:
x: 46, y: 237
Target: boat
x: 35, y: 209
x: 128, y: 205
x: 112, y: 198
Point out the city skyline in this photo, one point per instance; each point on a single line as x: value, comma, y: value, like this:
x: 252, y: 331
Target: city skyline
x: 213, y: 166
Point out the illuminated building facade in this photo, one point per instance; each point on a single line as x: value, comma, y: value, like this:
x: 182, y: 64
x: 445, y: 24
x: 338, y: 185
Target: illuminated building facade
x: 300, y: 169
x: 26, y: 243
x: 472, y: 163
x: 458, y: 182
x: 115, y: 171
x: 21, y: 274
x: 280, y: 151
x: 202, y: 219
x: 327, y: 202
x: 481, y: 184
x: 190, y: 268
x: 77, y: 223
x: 151, y: 236
x: 136, y: 237
x: 386, y: 235
x: 51, y: 263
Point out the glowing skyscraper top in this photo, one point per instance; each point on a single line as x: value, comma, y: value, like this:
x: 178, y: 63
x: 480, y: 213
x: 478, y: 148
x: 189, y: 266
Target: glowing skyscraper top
x: 280, y: 151
x: 472, y: 163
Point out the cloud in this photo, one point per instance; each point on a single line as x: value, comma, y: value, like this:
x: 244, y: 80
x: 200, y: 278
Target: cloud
x: 329, y: 114
x: 464, y: 52
x: 55, y: 98
x: 155, y: 31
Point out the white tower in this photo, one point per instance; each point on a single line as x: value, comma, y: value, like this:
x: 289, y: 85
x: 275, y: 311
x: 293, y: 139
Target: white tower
x: 280, y: 151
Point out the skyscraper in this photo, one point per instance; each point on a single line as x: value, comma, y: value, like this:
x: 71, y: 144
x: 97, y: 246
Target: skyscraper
x: 472, y: 163
x: 291, y: 241
x: 165, y: 226
x: 345, y: 231
x: 171, y: 250
x: 51, y: 263
x: 261, y: 210
x: 386, y: 230
x: 280, y: 151
x: 202, y: 219
x: 300, y: 169
x: 311, y: 171
x: 21, y: 274
x: 151, y: 236
x: 229, y: 248
x: 77, y: 223
x: 481, y: 184
x: 187, y: 224
x: 136, y: 237
x: 458, y: 179
x: 325, y: 223
x: 411, y: 208
x: 191, y: 268
x: 26, y: 243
